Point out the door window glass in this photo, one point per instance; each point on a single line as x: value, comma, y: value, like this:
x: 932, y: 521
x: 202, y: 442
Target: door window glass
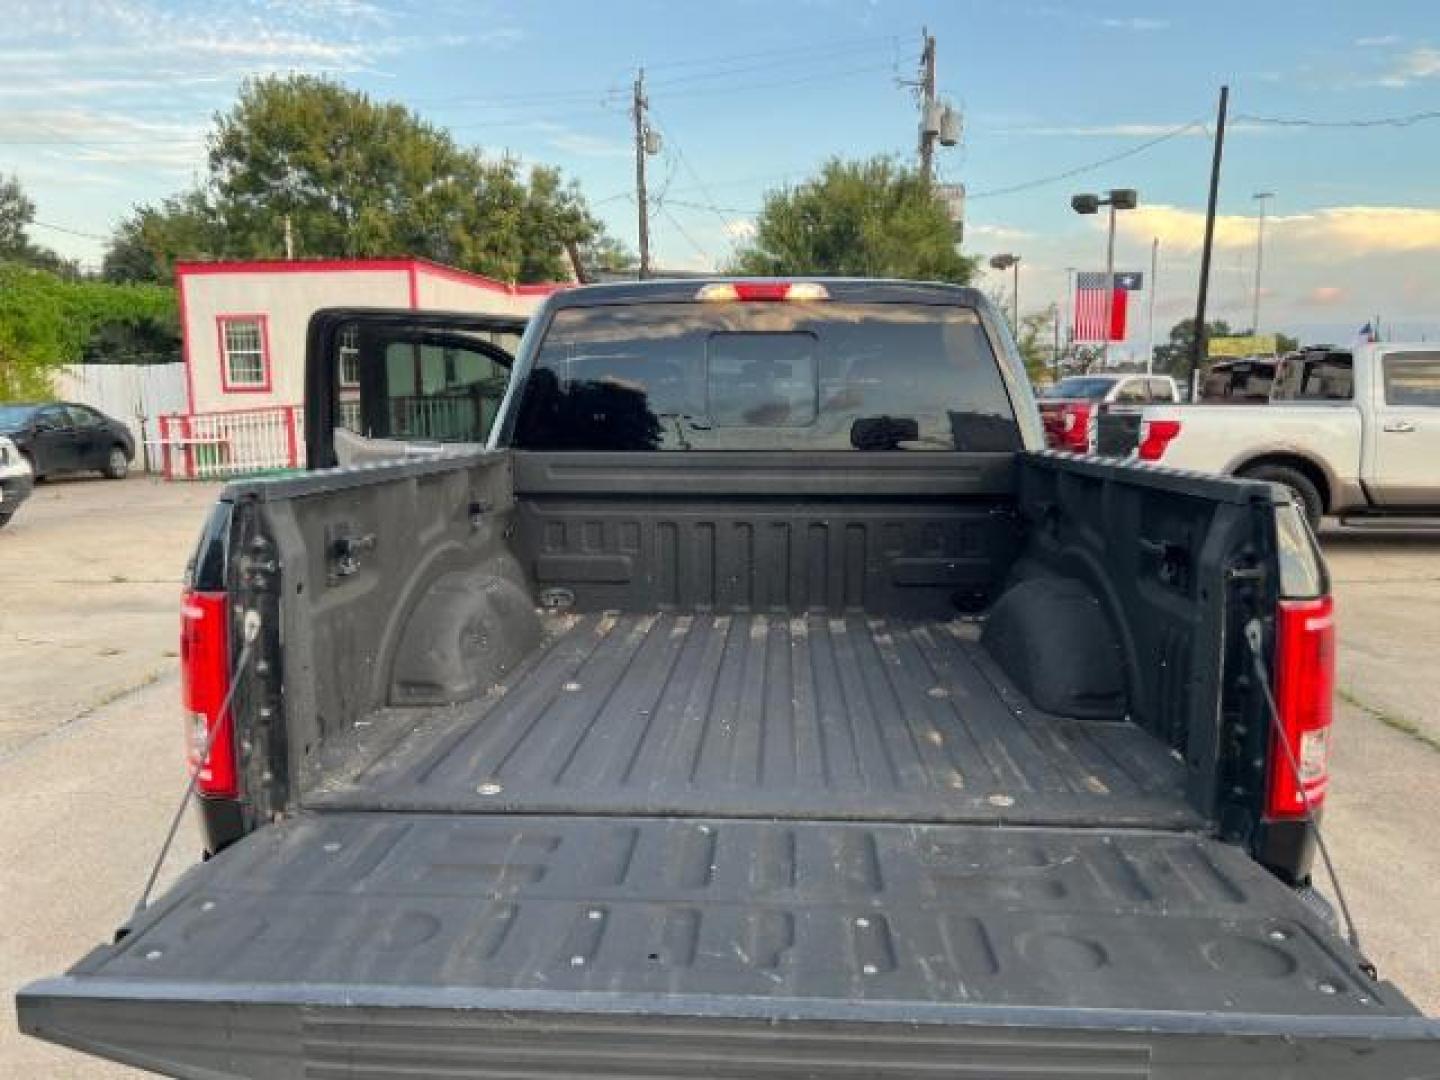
x: 430, y: 385
x: 1413, y: 378
x: 82, y: 417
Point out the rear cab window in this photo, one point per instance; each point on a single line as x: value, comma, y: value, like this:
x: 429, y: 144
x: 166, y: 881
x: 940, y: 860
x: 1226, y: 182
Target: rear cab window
x: 1319, y: 376
x: 756, y: 376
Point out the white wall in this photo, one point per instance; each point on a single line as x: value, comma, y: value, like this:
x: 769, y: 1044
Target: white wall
x: 130, y: 393
x: 287, y: 299
x: 437, y: 291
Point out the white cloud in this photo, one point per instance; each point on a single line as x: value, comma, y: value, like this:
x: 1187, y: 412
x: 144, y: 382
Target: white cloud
x: 1341, y: 231
x: 1378, y: 40
x: 996, y: 232
x: 740, y: 229
x: 1136, y: 23
x: 579, y: 144
x: 1411, y: 67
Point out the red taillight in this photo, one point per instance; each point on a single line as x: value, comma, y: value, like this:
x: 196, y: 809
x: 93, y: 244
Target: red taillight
x: 1305, y: 700
x: 204, y: 680
x: 1155, y: 436
x: 1075, y: 428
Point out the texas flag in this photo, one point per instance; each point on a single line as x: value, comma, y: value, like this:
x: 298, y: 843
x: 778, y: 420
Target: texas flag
x: 1090, y: 294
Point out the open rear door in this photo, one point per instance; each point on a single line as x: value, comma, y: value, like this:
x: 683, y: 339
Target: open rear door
x: 387, y: 945
x: 391, y: 383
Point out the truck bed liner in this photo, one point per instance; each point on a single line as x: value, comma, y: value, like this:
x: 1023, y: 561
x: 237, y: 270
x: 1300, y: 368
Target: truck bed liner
x: 551, y: 946
x: 761, y: 715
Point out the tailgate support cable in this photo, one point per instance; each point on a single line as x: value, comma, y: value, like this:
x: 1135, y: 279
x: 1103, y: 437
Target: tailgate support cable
x: 1254, y: 637
x: 251, y: 631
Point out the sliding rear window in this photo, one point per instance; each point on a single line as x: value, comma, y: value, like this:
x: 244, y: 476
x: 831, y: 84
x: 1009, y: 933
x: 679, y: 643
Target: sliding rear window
x: 766, y: 376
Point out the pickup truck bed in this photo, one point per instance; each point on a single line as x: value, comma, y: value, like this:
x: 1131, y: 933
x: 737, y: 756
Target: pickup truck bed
x: 404, y: 945
x: 881, y: 719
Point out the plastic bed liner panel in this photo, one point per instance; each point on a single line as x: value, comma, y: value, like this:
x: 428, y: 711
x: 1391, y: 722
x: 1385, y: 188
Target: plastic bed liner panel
x: 390, y: 945
x: 814, y: 717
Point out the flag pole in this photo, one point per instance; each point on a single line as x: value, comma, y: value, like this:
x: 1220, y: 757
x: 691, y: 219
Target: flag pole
x: 1154, y: 288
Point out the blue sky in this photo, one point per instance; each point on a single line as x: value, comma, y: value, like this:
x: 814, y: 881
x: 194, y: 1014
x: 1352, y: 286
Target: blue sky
x: 104, y: 104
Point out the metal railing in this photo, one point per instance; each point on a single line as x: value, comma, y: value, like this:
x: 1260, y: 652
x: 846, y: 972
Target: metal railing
x: 237, y: 442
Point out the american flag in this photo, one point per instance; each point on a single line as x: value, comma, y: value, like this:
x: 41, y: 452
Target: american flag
x: 1090, y: 304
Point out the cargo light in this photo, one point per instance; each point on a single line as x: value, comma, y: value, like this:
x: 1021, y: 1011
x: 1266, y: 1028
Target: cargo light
x: 1305, y: 701
x: 204, y: 680
x: 763, y: 290
x: 1155, y: 436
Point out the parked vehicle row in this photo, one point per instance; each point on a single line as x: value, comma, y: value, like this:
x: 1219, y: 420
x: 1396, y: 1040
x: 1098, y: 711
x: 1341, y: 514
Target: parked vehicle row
x: 1072, y: 408
x: 1353, y: 433
x: 62, y: 437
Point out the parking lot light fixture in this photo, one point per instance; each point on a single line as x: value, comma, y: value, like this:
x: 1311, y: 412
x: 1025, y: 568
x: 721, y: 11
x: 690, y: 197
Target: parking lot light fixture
x: 1012, y: 263
x: 1115, y: 199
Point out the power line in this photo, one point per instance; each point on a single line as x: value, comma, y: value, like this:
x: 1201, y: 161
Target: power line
x: 685, y: 233
x: 837, y: 44
x: 70, y: 232
x: 1304, y: 122
x: 1087, y: 167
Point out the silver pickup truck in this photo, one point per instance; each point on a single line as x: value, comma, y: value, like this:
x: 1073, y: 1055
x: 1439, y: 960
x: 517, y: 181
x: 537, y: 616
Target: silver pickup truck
x: 1351, y: 432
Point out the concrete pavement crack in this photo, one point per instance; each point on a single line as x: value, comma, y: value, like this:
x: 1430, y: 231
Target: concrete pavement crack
x: 1399, y: 723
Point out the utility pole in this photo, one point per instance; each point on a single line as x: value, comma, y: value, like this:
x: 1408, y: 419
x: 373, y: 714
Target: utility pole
x: 1261, y: 197
x: 1202, y: 344
x: 929, y: 130
x: 1154, y: 288
x: 638, y: 109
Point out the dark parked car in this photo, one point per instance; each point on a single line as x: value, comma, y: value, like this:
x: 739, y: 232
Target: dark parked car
x: 59, y: 437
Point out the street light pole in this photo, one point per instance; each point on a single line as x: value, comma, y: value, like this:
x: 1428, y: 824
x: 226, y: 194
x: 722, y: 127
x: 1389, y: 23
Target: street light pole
x: 1154, y: 288
x: 1117, y: 199
x: 1261, y: 197
x: 1109, y: 289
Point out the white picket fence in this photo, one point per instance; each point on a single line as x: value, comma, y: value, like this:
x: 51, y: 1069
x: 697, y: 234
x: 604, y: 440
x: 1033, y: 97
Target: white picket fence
x: 239, y: 442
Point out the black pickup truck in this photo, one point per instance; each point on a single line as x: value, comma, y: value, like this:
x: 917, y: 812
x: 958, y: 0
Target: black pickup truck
x: 722, y: 682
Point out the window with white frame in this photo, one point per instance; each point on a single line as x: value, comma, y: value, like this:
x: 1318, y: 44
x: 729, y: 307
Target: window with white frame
x: 349, y: 349
x: 244, y: 343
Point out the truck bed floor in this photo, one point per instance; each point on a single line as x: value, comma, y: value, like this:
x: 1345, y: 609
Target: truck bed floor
x: 760, y: 716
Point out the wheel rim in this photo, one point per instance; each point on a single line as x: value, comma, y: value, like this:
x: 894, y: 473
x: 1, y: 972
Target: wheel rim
x: 117, y: 460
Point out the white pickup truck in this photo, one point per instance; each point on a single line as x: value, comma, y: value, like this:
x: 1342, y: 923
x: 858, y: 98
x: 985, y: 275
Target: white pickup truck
x: 1352, y: 432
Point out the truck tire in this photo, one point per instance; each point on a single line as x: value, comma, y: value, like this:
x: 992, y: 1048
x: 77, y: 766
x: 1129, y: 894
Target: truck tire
x: 1301, y: 487
x: 5, y: 519
x: 117, y: 464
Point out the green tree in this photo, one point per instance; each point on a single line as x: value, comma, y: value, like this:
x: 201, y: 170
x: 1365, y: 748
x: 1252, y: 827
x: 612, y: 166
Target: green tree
x: 147, y: 244
x: 356, y: 177
x: 1037, y: 341
x: 46, y: 321
x: 17, y: 214
x: 1173, y: 357
x: 874, y: 218
x: 1284, y: 343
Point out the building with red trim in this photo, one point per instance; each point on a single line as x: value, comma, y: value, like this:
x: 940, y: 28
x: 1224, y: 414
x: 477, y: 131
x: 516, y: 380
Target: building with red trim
x: 243, y: 324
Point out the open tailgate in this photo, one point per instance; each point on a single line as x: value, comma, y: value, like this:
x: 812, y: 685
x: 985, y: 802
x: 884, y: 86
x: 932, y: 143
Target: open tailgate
x: 391, y: 945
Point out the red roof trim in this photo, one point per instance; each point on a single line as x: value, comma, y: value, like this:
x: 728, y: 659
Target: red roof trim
x: 410, y: 266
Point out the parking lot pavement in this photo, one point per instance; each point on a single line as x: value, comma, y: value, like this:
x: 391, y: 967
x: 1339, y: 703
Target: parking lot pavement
x: 89, y: 596
x: 92, y: 765
x: 1387, y: 596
